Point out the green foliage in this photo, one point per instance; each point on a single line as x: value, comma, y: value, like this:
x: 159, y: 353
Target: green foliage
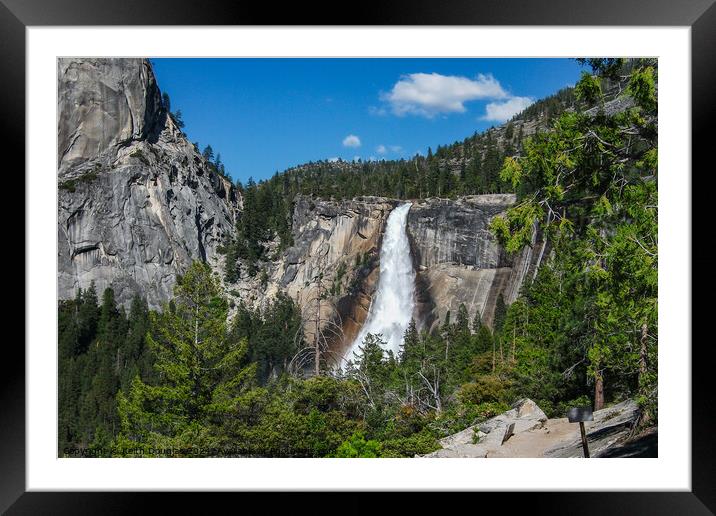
x: 419, y: 443
x: 549, y: 107
x: 589, y: 89
x: 271, y: 334
x: 357, y: 446
x: 178, y: 119
x: 265, y: 216
x: 485, y: 389
x: 100, y: 350
x: 591, y: 313
x: 642, y: 87
x: 137, y: 153
x: 200, y: 373
x: 86, y: 178
x: 609, y: 67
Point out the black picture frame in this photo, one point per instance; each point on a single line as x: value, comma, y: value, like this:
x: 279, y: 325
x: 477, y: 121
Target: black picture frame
x: 700, y: 15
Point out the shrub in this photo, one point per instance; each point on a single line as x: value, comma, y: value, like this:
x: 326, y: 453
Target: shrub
x: 357, y: 446
x: 486, y: 388
x: 320, y: 392
x: 140, y: 156
x: 416, y: 444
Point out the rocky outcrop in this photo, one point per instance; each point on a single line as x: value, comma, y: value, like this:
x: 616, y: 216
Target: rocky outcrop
x: 611, y: 426
x: 458, y: 260
x: 103, y: 104
x: 137, y: 203
x: 525, y: 431
x: 480, y: 440
x: 458, y: 232
x: 333, y: 259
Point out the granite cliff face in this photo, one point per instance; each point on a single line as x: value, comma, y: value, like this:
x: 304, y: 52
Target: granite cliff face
x: 458, y: 260
x: 136, y: 202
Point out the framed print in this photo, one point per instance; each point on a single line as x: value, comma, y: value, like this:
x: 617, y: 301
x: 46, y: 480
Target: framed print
x: 369, y: 257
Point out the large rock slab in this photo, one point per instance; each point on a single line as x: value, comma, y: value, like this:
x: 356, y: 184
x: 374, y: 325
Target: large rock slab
x: 533, y: 435
x: 611, y: 426
x: 481, y: 439
x: 457, y: 231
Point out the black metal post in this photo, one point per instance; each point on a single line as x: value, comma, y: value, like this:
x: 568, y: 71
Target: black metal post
x: 584, y: 440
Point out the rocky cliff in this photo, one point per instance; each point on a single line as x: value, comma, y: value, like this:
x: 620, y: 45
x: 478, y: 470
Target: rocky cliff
x: 136, y: 201
x: 330, y: 271
x: 458, y: 260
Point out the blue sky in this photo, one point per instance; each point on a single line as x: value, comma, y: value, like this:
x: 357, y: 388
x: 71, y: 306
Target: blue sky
x: 266, y: 115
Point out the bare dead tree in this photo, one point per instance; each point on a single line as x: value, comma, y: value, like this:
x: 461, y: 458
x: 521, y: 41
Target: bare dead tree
x: 321, y: 325
x: 433, y: 388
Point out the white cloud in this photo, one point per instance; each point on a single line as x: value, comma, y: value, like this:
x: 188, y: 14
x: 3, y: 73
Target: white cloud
x: 503, y: 111
x: 430, y: 94
x: 333, y: 160
x: 351, y: 141
x: 383, y: 149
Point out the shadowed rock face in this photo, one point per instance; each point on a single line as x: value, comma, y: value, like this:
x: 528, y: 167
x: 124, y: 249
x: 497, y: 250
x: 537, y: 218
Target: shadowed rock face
x: 458, y: 232
x: 459, y: 261
x: 136, y: 203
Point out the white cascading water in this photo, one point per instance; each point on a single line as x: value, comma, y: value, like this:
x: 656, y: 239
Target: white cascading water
x: 392, y: 307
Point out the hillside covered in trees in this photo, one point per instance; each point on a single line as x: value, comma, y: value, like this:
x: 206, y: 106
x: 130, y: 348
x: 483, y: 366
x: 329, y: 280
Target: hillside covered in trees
x: 187, y: 381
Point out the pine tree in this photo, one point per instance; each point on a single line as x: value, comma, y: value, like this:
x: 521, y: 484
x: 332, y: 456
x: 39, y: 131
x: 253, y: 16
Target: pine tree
x: 208, y: 153
x: 462, y: 324
x: 594, y: 194
x: 410, y: 342
x: 200, y: 372
x: 500, y: 313
x: 477, y: 321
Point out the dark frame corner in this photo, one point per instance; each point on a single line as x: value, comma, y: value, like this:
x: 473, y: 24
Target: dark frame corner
x: 700, y: 15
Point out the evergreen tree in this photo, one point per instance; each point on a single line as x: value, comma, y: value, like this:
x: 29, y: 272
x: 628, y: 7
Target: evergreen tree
x: 208, y: 153
x: 200, y: 373
x: 500, y: 313
x: 477, y: 322
x: 595, y: 197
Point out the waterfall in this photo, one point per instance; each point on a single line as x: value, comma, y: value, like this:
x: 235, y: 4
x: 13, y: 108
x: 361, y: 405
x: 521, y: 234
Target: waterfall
x: 392, y: 306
